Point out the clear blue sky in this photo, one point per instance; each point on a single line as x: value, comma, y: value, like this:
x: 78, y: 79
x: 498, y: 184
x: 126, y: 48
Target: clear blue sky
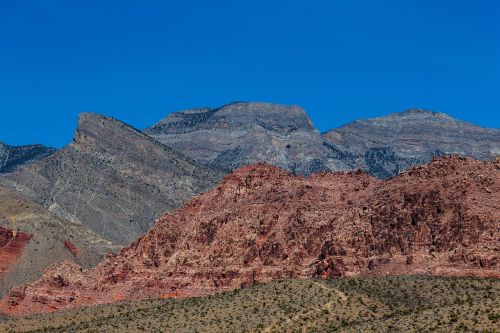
x: 339, y: 59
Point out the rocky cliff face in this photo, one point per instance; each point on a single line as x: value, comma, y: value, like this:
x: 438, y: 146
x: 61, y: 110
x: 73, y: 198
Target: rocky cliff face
x: 245, y: 133
x: 12, y: 157
x: 41, y: 240
x: 112, y: 178
x: 388, y: 145
x: 262, y: 223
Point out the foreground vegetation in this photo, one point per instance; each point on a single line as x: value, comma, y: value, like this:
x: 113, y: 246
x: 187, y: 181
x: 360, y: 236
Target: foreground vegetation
x: 391, y: 304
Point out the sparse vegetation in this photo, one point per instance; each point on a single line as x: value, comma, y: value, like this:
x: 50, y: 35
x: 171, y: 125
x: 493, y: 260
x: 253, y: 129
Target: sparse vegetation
x: 392, y: 304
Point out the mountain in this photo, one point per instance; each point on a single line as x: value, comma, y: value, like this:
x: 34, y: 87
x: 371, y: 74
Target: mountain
x: 242, y: 133
x: 12, y: 157
x: 245, y: 133
x: 388, y: 145
x: 32, y: 238
x: 111, y: 178
x: 262, y: 223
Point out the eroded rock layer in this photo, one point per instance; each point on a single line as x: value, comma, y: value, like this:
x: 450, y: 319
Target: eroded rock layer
x: 262, y: 223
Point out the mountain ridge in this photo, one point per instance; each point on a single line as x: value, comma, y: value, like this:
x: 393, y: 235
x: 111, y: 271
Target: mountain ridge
x: 12, y: 157
x: 112, y: 178
x: 244, y: 133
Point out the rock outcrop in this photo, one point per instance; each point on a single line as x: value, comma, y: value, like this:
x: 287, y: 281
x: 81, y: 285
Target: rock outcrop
x: 41, y: 239
x: 111, y: 178
x: 12, y: 244
x: 262, y: 223
x: 388, y: 145
x: 12, y: 157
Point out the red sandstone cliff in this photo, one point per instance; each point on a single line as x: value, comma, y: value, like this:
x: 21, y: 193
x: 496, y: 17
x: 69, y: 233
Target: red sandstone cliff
x: 262, y: 223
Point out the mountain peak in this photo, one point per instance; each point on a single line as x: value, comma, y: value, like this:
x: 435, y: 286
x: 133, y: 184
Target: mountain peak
x: 94, y: 127
x: 243, y: 133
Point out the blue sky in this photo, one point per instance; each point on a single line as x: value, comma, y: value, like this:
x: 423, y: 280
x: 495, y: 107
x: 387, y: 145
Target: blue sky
x: 339, y: 59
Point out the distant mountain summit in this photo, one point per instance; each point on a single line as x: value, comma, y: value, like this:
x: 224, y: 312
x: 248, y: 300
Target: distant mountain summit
x: 12, y: 157
x: 245, y: 133
x: 388, y: 145
x: 112, y: 178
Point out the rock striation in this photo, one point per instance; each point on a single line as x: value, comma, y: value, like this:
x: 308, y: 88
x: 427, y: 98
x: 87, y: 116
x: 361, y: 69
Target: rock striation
x: 12, y: 157
x: 32, y: 239
x: 388, y: 145
x: 263, y: 223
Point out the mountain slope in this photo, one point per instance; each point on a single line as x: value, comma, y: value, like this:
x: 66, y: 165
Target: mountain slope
x: 242, y: 133
x: 388, y: 145
x: 111, y: 178
x: 261, y: 223
x: 12, y: 157
x: 41, y: 240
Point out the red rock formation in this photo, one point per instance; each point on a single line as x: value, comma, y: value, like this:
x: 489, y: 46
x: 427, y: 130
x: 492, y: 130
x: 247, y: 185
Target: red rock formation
x: 71, y: 247
x: 11, y: 247
x: 261, y: 223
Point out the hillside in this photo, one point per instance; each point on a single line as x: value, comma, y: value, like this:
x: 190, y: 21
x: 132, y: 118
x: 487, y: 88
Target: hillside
x: 42, y: 239
x: 389, y: 304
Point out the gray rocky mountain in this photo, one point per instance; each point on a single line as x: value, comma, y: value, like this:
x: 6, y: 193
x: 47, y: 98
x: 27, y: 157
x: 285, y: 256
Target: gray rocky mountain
x: 112, y: 178
x: 42, y: 239
x: 12, y: 157
x: 388, y: 145
x: 245, y: 133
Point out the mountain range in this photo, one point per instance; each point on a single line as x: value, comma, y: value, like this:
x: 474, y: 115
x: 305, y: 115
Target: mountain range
x: 290, y: 217
x: 245, y: 133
